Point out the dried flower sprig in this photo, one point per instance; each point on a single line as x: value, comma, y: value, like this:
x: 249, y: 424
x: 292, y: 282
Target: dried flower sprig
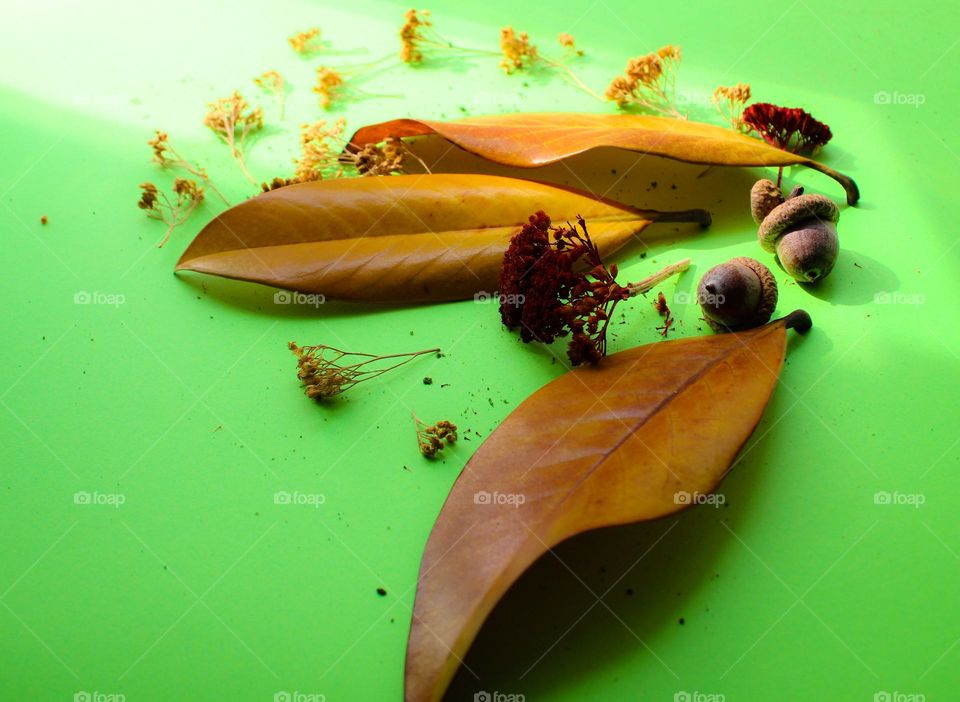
x: 788, y: 128
x: 649, y: 82
x: 233, y: 120
x: 272, y: 83
x: 518, y: 52
x: 419, y: 38
x: 167, y: 157
x: 326, y: 371
x: 324, y: 155
x: 306, y: 42
x: 418, y: 35
x: 336, y: 85
x: 173, y: 212
x: 730, y: 101
x: 431, y: 437
x: 660, y: 305
x: 545, y: 292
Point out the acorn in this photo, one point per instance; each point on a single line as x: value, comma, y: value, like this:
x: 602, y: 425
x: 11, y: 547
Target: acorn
x: 738, y: 294
x: 765, y: 195
x: 801, y: 230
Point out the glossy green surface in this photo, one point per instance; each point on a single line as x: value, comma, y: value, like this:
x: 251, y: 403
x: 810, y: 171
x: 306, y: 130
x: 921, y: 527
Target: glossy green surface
x: 177, y: 397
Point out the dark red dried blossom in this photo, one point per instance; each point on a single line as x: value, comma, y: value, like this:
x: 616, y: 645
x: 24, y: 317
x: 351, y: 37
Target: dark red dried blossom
x: 545, y: 293
x: 788, y: 128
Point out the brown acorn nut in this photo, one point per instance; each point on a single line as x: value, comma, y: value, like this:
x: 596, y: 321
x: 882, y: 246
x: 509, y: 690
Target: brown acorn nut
x: 764, y: 197
x: 738, y: 294
x: 802, y: 232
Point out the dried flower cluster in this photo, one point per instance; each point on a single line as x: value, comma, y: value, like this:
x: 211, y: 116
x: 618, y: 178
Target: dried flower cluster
x: 730, y: 101
x: 518, y: 52
x: 329, y: 86
x: 323, y: 156
x: 167, y: 157
x: 431, y: 438
x: 320, y: 146
x: 788, y: 128
x: 568, y: 42
x: 272, y: 83
x: 416, y: 34
x: 232, y: 120
x: 649, y: 82
x: 545, y: 293
x: 326, y: 371
x: 173, y: 212
x: 305, y: 43
x: 660, y: 305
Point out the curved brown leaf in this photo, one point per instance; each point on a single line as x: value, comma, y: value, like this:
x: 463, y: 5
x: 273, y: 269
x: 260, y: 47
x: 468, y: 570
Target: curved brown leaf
x: 596, y: 447
x: 397, y: 238
x: 527, y: 140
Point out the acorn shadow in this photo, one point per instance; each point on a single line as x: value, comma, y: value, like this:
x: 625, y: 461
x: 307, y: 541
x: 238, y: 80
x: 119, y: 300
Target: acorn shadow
x: 856, y: 280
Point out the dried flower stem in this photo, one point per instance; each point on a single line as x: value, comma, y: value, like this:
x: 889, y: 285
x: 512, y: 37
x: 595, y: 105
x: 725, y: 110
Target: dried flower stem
x: 335, y: 85
x: 272, y: 83
x: 232, y: 121
x: 171, y: 212
x: 730, y: 101
x: 168, y: 157
x: 326, y: 371
x: 641, y: 287
x: 649, y: 82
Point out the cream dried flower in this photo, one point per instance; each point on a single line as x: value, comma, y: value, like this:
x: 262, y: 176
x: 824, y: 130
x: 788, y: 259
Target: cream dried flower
x: 232, y: 120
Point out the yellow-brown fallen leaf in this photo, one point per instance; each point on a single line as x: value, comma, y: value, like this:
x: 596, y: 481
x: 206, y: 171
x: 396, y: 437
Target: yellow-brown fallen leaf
x: 527, y: 140
x: 397, y: 238
x: 638, y: 437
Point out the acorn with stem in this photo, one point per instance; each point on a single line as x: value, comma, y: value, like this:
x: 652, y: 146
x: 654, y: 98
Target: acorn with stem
x: 800, y: 229
x: 739, y: 294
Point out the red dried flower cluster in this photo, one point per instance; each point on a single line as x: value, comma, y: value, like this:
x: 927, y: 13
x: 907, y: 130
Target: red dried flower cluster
x: 788, y: 128
x: 544, y: 293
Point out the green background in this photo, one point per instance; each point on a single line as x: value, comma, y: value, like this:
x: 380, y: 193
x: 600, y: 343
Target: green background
x: 183, y: 398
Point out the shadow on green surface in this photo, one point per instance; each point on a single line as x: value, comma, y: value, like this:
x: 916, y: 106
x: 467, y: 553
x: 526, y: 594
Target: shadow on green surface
x: 601, y: 597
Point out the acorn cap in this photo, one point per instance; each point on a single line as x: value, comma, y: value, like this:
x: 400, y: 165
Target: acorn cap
x: 793, y: 211
x: 764, y: 197
x: 768, y: 296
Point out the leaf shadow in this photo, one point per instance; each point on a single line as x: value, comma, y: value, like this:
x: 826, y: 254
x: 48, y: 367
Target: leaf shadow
x: 257, y: 299
x: 549, y: 631
x: 595, y: 599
